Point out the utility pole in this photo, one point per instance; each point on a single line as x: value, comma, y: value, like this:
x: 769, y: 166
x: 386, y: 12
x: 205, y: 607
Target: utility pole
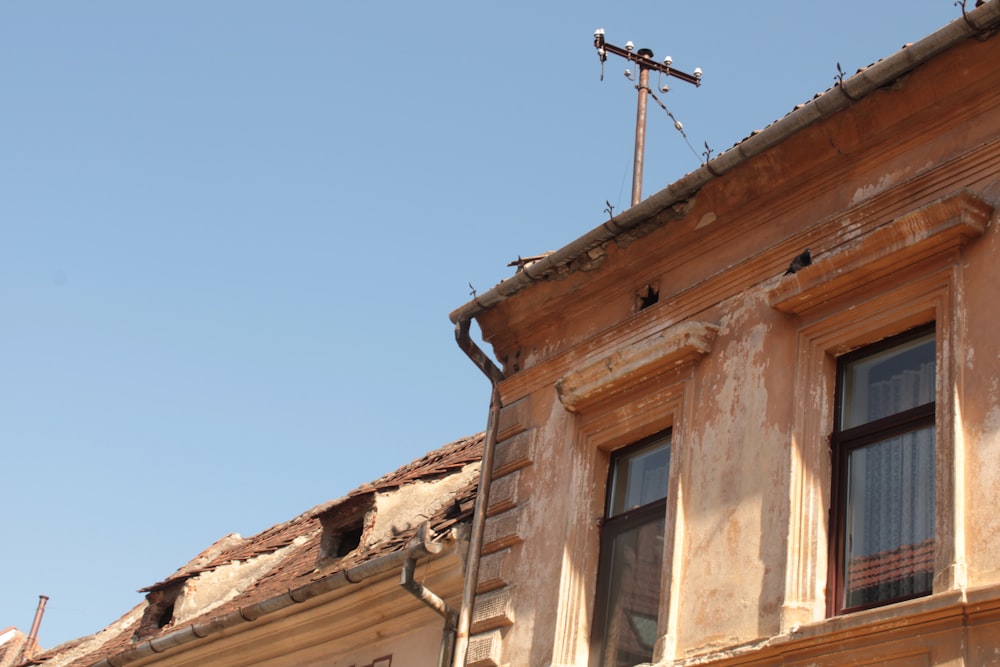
x: 643, y: 58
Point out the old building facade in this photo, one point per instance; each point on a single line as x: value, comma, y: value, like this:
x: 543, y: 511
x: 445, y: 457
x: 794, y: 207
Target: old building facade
x: 755, y: 419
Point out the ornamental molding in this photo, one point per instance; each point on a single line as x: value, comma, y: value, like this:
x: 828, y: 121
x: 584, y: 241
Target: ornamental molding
x: 676, y: 348
x: 941, y: 226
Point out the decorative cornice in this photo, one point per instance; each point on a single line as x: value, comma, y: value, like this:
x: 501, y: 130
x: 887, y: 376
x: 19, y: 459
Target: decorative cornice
x: 681, y: 344
x: 936, y: 228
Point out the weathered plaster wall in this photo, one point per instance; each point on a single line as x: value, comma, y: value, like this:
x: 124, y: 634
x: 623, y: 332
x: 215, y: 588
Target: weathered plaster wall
x: 979, y: 401
x: 735, y: 448
x: 553, y: 483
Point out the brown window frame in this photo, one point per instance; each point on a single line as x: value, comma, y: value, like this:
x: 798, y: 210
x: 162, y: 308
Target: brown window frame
x: 844, y: 441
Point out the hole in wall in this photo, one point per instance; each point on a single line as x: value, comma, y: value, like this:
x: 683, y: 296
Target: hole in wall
x: 350, y: 540
x: 646, y: 297
x: 344, y: 526
x: 166, y: 616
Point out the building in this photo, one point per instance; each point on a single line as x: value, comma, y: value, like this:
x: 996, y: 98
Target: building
x: 12, y: 643
x: 368, y: 580
x: 755, y: 419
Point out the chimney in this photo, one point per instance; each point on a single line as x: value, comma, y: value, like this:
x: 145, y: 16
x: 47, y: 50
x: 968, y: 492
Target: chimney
x: 32, y: 642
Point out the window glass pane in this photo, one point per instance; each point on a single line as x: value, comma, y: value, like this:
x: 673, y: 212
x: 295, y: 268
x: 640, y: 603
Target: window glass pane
x: 633, y: 595
x: 890, y: 519
x: 888, y: 382
x: 639, y: 477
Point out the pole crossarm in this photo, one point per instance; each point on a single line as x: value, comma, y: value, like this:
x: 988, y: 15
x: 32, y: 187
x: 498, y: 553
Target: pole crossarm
x: 643, y: 58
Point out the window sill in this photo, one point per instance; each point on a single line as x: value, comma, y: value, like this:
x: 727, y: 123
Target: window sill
x: 864, y: 637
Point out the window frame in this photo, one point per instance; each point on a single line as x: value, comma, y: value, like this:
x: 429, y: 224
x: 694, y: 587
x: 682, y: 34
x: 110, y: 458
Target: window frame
x: 845, y: 441
x: 612, y: 527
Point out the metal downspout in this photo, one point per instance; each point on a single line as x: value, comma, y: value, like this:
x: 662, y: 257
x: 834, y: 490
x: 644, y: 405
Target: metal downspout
x: 495, y: 375
x: 428, y: 597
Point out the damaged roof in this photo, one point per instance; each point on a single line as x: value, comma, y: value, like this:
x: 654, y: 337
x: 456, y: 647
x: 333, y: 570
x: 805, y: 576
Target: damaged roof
x: 289, y: 556
x: 11, y: 642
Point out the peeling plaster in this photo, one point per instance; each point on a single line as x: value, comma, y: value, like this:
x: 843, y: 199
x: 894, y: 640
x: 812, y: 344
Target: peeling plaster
x: 733, y: 505
x: 706, y: 220
x: 410, y: 505
x: 886, y: 182
x: 208, y: 590
x: 741, y: 474
x: 989, y: 437
x: 849, y: 227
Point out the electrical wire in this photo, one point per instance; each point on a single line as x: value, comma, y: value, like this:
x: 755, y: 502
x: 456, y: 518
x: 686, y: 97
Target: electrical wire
x: 621, y: 189
x: 677, y: 124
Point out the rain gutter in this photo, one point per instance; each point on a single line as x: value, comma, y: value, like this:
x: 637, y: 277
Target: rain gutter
x: 495, y: 375
x: 183, y: 637
x: 982, y: 22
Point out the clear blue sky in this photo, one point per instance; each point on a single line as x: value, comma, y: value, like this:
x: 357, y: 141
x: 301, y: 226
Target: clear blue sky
x: 231, y: 234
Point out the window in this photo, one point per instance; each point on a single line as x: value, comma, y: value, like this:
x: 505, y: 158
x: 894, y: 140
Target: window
x: 883, y: 492
x: 628, y: 592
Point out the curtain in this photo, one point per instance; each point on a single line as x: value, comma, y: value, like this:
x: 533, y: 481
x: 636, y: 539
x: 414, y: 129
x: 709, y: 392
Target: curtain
x: 890, y: 521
